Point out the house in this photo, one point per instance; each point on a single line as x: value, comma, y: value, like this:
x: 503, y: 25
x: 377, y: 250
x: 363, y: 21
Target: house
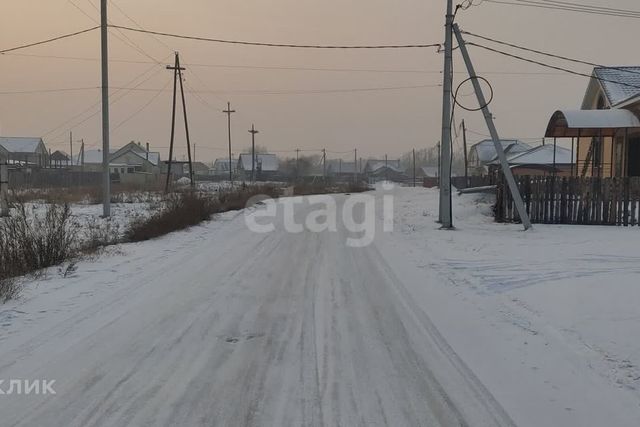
x: 266, y: 166
x: 24, y: 150
x: 221, y: 167
x: 341, y: 169
x: 483, y: 154
x: 424, y: 172
x: 385, y: 170
x: 130, y: 159
x: 605, y: 132
x: 60, y: 159
x: 541, y: 161
x: 199, y: 168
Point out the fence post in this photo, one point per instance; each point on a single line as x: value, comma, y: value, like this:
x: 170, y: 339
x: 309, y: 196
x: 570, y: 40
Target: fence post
x: 4, y: 188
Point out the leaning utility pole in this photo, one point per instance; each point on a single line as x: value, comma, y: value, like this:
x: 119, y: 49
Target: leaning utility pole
x: 186, y: 122
x: 253, y: 133
x: 446, y: 219
x: 106, y: 173
x: 506, y: 169
x: 228, y: 112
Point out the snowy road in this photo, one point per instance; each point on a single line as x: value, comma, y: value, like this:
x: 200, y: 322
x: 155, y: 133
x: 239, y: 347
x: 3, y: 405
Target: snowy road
x: 221, y: 326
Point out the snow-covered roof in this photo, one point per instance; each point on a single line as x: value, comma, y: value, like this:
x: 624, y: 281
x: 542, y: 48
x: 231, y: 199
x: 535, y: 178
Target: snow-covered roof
x: 486, y: 150
x: 570, y: 123
x: 611, y: 78
x: 541, y: 155
x: 270, y: 162
x: 376, y: 167
x: 20, y: 144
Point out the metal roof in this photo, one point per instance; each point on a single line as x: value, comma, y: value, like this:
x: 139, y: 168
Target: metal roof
x: 611, y: 78
x: 573, y: 123
x: 269, y: 162
x: 486, y: 149
x: 20, y: 144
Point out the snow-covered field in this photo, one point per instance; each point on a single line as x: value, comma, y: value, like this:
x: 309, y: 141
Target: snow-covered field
x: 547, y: 321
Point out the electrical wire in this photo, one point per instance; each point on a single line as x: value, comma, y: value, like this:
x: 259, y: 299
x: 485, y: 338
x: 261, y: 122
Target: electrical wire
x: 556, y: 6
x: 554, y: 67
x: 283, y: 45
x: 51, y: 40
x: 551, y: 55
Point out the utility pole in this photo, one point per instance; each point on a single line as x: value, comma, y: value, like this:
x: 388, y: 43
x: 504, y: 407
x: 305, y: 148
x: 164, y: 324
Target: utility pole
x: 297, y: 164
x: 81, y: 156
x: 414, y: 167
x: 446, y: 219
x: 71, y: 145
x: 194, y: 153
x: 106, y: 173
x: 4, y: 187
x: 355, y: 166
x: 253, y: 133
x: 177, y: 77
x: 466, y: 160
x: 228, y: 112
x: 324, y: 164
x: 506, y: 169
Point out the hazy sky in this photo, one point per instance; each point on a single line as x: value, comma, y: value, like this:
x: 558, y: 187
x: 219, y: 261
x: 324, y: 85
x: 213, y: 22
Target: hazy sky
x: 373, y: 122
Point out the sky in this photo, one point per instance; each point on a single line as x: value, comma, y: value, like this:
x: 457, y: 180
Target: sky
x: 376, y: 123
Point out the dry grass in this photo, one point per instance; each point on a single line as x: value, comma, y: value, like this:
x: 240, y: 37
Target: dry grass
x: 307, y: 189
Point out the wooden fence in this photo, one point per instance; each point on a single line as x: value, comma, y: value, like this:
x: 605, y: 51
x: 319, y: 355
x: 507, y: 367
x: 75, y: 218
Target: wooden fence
x: 587, y: 201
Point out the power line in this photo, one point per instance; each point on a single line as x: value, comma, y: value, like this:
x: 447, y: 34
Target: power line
x: 51, y: 40
x: 554, y: 67
x: 539, y: 52
x: 283, y: 45
x: 568, y: 8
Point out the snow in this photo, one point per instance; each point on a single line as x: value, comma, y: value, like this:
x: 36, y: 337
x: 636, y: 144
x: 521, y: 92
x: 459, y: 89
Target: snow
x: 611, y: 77
x: 484, y: 325
x: 547, y: 319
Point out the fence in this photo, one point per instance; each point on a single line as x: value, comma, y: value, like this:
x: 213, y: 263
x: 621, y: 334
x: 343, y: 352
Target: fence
x: 587, y: 201
x: 52, y: 178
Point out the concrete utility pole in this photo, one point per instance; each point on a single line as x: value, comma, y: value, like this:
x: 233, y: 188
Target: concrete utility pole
x: 4, y: 188
x: 506, y: 169
x: 106, y: 173
x: 297, y: 164
x: 253, y: 133
x: 445, y: 217
x: 228, y: 112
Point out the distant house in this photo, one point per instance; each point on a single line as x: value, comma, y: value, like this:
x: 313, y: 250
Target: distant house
x: 24, y: 151
x: 266, y: 166
x: 483, y: 154
x: 199, y: 168
x: 385, y: 170
x: 605, y: 133
x: 60, y: 159
x: 341, y: 169
x: 221, y: 167
x: 130, y: 159
x: 424, y: 172
x: 540, y: 161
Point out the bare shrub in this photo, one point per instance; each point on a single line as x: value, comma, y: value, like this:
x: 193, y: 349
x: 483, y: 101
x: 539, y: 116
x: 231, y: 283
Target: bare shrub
x: 307, y: 189
x: 32, y: 242
x: 186, y: 209
x: 9, y: 289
